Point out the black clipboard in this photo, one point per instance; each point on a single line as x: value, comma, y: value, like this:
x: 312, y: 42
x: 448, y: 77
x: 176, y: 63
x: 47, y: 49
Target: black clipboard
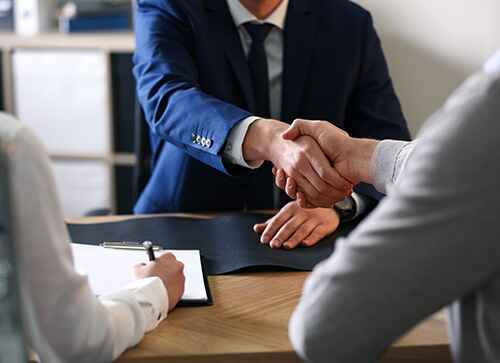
x: 195, y: 303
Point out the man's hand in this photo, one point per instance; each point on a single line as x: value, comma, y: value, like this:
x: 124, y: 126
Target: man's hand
x: 294, y: 226
x: 302, y: 159
x: 171, y: 273
x: 351, y: 158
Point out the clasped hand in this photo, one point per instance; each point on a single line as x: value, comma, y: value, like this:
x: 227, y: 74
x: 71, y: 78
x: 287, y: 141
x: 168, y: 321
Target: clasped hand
x: 301, y: 159
x: 350, y: 157
x: 314, y: 163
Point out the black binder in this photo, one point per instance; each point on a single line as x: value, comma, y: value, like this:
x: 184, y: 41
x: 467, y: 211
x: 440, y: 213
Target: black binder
x: 227, y: 244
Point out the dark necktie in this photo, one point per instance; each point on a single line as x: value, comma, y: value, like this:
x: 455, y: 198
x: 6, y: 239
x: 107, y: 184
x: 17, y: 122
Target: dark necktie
x: 257, y: 64
x: 259, y: 73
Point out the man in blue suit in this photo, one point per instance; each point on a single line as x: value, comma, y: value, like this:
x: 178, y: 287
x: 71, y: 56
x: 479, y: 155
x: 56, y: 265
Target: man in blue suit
x: 220, y: 80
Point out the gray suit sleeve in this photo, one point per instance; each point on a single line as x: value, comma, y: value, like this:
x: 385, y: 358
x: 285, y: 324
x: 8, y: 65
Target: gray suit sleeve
x: 430, y: 242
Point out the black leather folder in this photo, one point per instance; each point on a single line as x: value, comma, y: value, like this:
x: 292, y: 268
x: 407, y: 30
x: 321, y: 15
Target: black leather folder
x: 228, y: 243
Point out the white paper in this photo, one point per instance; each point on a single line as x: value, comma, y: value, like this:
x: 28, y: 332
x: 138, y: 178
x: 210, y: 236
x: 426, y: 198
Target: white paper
x: 109, y: 270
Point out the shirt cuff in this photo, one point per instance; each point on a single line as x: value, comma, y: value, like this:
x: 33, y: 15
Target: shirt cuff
x: 386, y: 162
x: 152, y: 296
x: 233, y: 152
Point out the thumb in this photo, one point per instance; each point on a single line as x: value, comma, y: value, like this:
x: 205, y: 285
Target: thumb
x: 301, y: 128
x: 294, y: 131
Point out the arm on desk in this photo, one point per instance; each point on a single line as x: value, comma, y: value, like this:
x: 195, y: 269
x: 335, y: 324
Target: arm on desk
x: 65, y: 320
x: 418, y: 252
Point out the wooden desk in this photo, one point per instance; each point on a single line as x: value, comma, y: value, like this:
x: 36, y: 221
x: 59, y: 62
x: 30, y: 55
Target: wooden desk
x: 249, y: 321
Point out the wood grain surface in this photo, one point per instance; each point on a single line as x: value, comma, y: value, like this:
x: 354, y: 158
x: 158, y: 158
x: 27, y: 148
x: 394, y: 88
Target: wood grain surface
x: 249, y: 323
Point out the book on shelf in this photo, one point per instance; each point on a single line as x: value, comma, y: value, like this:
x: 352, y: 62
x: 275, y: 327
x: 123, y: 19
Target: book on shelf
x: 6, y: 15
x: 94, y: 16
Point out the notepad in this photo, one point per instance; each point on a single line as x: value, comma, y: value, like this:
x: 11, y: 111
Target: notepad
x: 109, y: 270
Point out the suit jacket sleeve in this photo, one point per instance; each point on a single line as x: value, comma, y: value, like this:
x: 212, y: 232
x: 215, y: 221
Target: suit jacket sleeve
x: 374, y: 110
x: 168, y: 89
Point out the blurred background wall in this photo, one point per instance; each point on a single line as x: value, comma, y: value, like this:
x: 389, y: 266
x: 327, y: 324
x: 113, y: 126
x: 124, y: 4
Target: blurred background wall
x: 432, y: 46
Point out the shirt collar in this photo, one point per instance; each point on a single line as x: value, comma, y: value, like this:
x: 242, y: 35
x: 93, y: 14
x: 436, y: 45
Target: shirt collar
x: 493, y: 64
x: 241, y: 15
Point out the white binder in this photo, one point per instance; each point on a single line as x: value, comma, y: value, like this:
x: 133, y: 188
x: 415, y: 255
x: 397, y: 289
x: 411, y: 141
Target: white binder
x: 34, y: 16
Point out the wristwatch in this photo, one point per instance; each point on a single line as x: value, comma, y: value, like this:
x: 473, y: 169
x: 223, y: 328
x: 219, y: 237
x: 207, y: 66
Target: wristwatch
x: 346, y: 209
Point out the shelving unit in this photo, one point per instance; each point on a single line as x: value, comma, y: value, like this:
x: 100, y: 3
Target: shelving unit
x: 117, y: 49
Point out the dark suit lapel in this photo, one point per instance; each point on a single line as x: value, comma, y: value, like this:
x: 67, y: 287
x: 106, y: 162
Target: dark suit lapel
x: 298, y: 45
x: 227, y: 34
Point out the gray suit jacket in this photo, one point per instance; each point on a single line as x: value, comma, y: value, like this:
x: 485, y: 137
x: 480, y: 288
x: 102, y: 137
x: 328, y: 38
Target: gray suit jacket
x: 433, y: 242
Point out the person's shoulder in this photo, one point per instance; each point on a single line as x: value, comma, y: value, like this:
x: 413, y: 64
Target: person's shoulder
x: 174, y: 6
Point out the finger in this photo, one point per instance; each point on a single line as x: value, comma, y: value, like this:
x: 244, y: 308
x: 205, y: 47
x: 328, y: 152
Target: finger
x: 281, y: 179
x: 302, y: 127
x: 328, y: 200
x: 287, y: 230
x: 259, y: 228
x: 313, y: 177
x: 323, y: 202
x: 302, y: 232
x: 302, y: 200
x: 274, y: 170
x: 316, y: 235
x: 167, y: 256
x: 291, y: 188
x: 303, y: 182
x: 275, y: 224
x: 330, y: 178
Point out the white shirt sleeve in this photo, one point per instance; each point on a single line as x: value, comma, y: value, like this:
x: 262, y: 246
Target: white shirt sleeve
x: 148, y: 297
x: 65, y: 321
x: 389, y: 161
x: 233, y: 151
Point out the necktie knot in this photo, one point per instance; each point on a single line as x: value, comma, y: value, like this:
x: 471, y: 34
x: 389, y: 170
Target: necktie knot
x: 258, y: 32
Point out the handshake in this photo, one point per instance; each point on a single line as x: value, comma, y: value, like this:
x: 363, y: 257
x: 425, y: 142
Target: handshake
x: 315, y: 162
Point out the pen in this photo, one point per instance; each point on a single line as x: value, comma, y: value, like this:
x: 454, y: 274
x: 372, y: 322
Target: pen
x: 148, y: 246
x: 126, y: 245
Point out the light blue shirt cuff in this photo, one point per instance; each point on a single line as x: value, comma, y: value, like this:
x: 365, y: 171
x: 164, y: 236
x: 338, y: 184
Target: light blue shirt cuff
x: 233, y: 152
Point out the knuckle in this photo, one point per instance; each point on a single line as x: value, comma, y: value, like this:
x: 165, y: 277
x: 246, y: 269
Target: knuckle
x: 306, y: 146
x: 293, y: 173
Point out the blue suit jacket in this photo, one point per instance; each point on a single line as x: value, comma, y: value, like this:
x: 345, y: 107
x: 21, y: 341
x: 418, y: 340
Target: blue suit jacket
x: 193, y: 79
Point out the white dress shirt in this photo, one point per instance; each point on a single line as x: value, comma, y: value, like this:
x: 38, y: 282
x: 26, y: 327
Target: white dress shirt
x: 64, y: 320
x: 274, y: 51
